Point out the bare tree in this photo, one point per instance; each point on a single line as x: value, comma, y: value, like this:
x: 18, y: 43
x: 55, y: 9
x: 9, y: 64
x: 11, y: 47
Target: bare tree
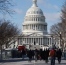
x: 63, y: 10
x: 5, y: 6
x: 8, y: 31
x: 55, y: 29
x: 60, y: 27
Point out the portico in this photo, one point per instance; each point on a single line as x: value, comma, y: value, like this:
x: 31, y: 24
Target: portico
x: 40, y: 40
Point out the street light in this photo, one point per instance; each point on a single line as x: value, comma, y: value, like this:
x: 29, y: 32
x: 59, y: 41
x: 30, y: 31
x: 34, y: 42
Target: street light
x: 60, y: 40
x: 52, y: 39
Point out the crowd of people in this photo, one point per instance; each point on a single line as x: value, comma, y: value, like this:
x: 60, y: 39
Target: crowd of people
x: 38, y: 54
x: 42, y: 54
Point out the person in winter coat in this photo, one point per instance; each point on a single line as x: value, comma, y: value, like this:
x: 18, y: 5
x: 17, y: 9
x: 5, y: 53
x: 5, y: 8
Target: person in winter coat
x: 29, y: 54
x: 52, y: 54
x: 46, y: 55
x: 36, y: 54
x: 59, y: 54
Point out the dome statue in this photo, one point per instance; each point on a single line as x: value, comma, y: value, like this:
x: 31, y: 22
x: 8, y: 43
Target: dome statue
x: 35, y: 3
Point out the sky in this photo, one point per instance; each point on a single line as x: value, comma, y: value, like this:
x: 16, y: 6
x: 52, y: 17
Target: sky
x: 50, y: 8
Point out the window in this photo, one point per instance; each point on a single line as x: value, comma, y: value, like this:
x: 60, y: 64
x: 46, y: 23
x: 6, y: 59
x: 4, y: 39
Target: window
x: 32, y: 19
x: 38, y: 27
x: 37, y: 12
x: 36, y: 19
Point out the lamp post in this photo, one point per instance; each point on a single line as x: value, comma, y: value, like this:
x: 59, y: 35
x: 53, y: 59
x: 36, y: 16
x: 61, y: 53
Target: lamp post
x: 60, y: 40
x: 52, y: 40
x: 63, y: 44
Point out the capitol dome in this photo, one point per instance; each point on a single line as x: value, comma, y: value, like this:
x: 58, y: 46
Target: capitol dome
x: 34, y: 10
x: 34, y: 21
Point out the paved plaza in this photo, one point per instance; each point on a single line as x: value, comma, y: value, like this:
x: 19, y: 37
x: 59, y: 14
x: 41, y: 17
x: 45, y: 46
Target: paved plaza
x: 31, y: 63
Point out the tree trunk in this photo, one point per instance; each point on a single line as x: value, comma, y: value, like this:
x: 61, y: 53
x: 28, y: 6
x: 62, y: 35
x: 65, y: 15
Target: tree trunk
x: 1, y: 52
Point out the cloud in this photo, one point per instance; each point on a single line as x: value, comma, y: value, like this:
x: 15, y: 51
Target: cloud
x: 56, y: 7
x: 53, y: 17
x: 48, y: 5
x: 40, y: 1
x: 18, y: 11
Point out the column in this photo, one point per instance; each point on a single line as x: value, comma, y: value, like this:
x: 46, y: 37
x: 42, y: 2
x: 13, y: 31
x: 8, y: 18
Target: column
x: 38, y: 41
x: 42, y: 41
x: 25, y: 40
x: 28, y: 40
x: 22, y: 40
x: 46, y: 41
x: 49, y: 41
x: 35, y: 40
x: 31, y: 41
x: 35, y: 27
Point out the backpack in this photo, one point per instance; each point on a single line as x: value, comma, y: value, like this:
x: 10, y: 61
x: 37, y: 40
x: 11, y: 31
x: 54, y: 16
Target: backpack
x: 52, y: 53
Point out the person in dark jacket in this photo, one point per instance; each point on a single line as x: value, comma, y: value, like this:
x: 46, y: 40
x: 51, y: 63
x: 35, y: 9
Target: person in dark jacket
x: 43, y: 54
x: 46, y: 55
x: 59, y: 54
x: 36, y: 54
x: 23, y: 53
x: 40, y: 54
x: 29, y: 54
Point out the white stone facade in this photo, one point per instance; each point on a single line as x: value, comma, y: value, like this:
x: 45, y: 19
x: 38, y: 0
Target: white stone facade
x: 34, y: 29
x: 34, y: 21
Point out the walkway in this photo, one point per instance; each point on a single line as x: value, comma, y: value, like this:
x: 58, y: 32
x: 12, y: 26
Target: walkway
x: 31, y: 63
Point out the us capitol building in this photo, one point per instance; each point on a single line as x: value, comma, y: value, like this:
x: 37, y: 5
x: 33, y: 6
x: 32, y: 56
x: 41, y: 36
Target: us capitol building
x: 34, y: 28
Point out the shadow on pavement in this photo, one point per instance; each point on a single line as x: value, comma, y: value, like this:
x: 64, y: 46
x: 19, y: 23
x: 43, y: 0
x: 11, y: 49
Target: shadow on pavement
x: 13, y: 60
